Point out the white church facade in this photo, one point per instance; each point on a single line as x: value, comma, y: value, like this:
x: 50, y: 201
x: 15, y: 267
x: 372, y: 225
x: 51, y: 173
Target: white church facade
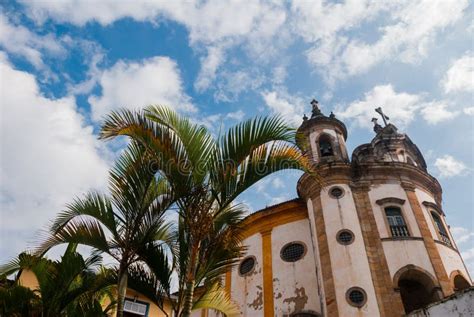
x: 369, y: 239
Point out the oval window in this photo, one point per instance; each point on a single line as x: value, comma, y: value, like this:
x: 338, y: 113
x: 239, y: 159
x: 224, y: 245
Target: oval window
x: 336, y: 192
x: 356, y: 296
x: 293, y: 252
x: 345, y: 237
x: 247, y: 265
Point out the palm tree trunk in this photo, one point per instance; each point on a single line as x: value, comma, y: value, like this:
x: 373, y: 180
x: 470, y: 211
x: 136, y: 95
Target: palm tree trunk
x: 190, y: 284
x: 188, y: 299
x: 122, y: 291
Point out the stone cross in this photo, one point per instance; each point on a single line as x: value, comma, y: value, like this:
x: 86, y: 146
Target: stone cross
x: 384, y: 117
x: 316, y: 110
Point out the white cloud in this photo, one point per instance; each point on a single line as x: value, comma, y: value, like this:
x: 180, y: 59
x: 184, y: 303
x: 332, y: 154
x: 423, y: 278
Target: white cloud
x: 17, y: 39
x: 138, y: 84
x: 232, y: 84
x: 289, y: 107
x: 464, y: 239
x: 469, y: 111
x: 215, y: 25
x: 237, y: 115
x: 448, y: 166
x: 435, y: 112
x: 209, y: 65
x: 460, y: 76
x: 48, y: 156
x: 461, y: 234
x: 405, y: 38
x: 401, y: 107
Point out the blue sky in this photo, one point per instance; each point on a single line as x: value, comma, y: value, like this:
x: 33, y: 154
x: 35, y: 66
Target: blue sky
x: 66, y: 64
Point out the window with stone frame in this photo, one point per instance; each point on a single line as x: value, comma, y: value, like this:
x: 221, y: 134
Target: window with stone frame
x: 440, y: 228
x: 396, y: 222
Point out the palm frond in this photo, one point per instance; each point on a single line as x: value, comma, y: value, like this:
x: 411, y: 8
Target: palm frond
x: 79, y: 230
x: 218, y: 299
x: 93, y: 204
x: 197, y: 143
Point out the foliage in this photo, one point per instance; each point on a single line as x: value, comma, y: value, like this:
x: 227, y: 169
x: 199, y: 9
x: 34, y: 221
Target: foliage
x: 68, y: 287
x: 127, y: 224
x: 206, y: 175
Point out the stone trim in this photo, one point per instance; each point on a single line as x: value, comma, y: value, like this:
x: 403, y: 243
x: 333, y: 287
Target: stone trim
x: 406, y: 268
x: 433, y: 206
x: 350, y: 302
x: 389, y: 302
x: 458, y: 273
x: 325, y: 259
x: 428, y: 240
x: 402, y: 238
x: 390, y: 200
x: 268, y: 305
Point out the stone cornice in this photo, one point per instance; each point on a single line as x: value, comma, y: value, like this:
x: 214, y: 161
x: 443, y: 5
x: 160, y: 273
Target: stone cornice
x: 390, y: 200
x: 410, y: 177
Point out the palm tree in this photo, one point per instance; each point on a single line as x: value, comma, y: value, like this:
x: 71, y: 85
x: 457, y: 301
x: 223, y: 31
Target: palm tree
x: 219, y: 251
x: 127, y: 224
x: 206, y: 174
x: 69, y: 287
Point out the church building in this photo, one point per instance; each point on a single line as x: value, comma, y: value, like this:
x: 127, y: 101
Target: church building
x: 368, y: 239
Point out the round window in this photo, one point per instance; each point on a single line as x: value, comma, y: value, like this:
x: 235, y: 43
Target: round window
x: 336, y: 192
x: 247, y: 265
x: 345, y: 237
x: 293, y: 252
x: 356, y: 296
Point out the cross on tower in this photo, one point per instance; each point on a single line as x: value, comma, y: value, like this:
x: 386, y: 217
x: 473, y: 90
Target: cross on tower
x: 384, y: 117
x: 316, y: 110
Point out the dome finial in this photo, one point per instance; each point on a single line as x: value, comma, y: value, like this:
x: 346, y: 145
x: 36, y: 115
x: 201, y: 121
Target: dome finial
x: 316, y: 111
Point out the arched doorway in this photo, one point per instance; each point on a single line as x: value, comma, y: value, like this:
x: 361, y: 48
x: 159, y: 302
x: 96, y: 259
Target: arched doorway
x: 459, y: 281
x: 417, y: 287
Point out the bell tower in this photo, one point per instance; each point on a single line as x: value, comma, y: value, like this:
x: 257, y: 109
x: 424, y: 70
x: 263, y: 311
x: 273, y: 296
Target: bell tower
x: 323, y: 137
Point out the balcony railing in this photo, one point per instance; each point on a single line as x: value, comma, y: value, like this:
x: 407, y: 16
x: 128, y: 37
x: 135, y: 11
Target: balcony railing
x: 399, y: 231
x: 445, y: 239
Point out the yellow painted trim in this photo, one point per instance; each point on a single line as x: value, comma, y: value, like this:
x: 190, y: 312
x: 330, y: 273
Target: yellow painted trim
x: 268, y: 305
x: 271, y: 217
x: 228, y: 282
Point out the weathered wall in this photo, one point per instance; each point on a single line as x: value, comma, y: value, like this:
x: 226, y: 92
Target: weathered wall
x: 349, y: 262
x: 459, y: 304
x: 400, y: 253
x: 247, y: 291
x: 294, y: 283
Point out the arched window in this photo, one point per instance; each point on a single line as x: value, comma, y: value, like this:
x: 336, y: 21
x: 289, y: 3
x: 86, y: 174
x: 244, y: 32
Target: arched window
x: 325, y: 146
x: 443, y: 234
x: 398, y: 227
x: 460, y: 283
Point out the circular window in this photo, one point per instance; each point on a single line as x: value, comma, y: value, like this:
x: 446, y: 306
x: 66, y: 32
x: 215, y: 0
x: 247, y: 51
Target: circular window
x: 356, y: 296
x: 345, y: 237
x: 293, y: 252
x: 247, y: 265
x: 336, y: 192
